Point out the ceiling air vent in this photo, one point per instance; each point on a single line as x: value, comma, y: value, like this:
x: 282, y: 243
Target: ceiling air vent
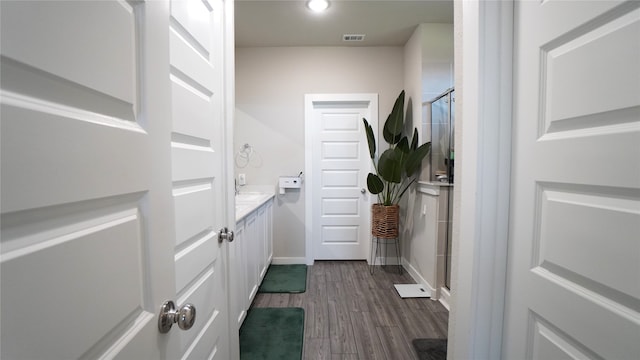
x: 353, y: 37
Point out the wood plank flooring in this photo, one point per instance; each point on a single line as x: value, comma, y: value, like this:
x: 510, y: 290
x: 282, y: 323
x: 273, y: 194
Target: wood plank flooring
x: 353, y: 315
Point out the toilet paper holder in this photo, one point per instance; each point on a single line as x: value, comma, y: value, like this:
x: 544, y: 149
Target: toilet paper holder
x: 290, y: 182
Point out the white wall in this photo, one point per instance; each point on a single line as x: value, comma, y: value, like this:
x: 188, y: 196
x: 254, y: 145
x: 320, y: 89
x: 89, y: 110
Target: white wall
x: 437, y: 59
x: 437, y: 73
x: 270, y: 88
x: 413, y: 89
x: 428, y: 72
x: 413, y: 79
x: 420, y: 253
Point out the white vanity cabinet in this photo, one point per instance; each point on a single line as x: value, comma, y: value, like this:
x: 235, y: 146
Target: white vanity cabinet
x: 237, y: 281
x: 264, y: 237
x: 252, y: 252
x: 268, y: 239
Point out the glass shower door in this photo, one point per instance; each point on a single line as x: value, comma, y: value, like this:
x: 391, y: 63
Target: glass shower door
x: 450, y: 167
x: 442, y: 150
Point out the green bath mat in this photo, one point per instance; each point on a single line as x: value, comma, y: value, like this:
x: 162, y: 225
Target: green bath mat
x: 431, y: 349
x: 285, y: 279
x: 272, y: 333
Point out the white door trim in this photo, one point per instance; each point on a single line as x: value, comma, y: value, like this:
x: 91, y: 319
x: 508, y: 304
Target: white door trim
x: 229, y: 107
x: 309, y: 100
x: 481, y: 212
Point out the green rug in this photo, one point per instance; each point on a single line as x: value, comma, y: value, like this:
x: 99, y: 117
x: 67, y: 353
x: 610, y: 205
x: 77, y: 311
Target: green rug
x: 430, y: 349
x: 272, y: 333
x: 285, y: 279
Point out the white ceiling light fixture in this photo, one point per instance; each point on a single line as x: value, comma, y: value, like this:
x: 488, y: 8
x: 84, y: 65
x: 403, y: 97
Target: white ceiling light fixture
x: 318, y: 5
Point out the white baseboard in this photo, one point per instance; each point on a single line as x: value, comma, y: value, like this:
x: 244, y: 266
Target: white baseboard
x: 288, y: 260
x: 444, y: 297
x: 419, y: 279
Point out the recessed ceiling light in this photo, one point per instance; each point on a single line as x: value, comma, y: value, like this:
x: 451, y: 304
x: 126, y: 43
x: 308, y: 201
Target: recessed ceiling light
x: 318, y: 5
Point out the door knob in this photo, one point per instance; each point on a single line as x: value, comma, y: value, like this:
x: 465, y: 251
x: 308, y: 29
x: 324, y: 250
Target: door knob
x: 363, y: 190
x: 185, y: 316
x: 225, y: 234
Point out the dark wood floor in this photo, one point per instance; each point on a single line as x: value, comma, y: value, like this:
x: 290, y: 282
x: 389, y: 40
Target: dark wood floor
x: 351, y: 314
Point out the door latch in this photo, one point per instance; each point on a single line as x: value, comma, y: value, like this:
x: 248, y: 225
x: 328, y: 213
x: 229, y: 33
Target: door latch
x: 225, y: 234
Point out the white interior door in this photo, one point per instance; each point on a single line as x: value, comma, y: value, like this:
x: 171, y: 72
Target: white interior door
x: 574, y: 249
x: 340, y: 207
x: 197, y: 146
x: 111, y: 179
x: 87, y: 217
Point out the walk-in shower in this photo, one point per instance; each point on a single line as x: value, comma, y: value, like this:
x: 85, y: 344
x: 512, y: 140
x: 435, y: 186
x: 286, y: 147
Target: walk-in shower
x: 442, y: 162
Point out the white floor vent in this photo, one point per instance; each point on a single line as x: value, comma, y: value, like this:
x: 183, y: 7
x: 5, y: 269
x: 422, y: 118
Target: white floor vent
x: 353, y: 37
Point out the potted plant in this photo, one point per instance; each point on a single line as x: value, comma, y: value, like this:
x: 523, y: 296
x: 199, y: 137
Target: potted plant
x: 395, y: 169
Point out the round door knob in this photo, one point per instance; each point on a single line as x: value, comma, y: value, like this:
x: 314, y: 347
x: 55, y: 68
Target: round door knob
x: 363, y: 190
x: 185, y: 316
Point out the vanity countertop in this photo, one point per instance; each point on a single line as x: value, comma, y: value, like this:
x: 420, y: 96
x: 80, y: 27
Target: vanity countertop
x: 247, y: 202
x: 431, y: 188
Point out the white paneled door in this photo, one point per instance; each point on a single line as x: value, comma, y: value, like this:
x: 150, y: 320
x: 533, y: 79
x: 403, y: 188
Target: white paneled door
x: 197, y: 144
x: 340, y: 161
x: 111, y: 188
x: 573, y: 290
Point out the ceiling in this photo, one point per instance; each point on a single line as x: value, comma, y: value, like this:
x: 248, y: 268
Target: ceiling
x: 290, y: 23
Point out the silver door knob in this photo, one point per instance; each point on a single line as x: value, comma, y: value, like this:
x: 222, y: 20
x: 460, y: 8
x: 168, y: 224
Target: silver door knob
x: 225, y: 234
x: 363, y: 190
x: 185, y: 316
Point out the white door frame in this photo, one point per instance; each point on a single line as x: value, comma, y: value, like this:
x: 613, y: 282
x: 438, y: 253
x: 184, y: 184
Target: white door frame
x: 481, y: 208
x: 229, y: 106
x: 309, y: 100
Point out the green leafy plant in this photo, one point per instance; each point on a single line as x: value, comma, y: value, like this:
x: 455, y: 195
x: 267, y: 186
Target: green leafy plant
x: 396, y: 166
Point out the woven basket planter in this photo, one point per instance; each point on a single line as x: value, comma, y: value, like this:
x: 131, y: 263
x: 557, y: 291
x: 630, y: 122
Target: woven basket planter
x: 384, y: 221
